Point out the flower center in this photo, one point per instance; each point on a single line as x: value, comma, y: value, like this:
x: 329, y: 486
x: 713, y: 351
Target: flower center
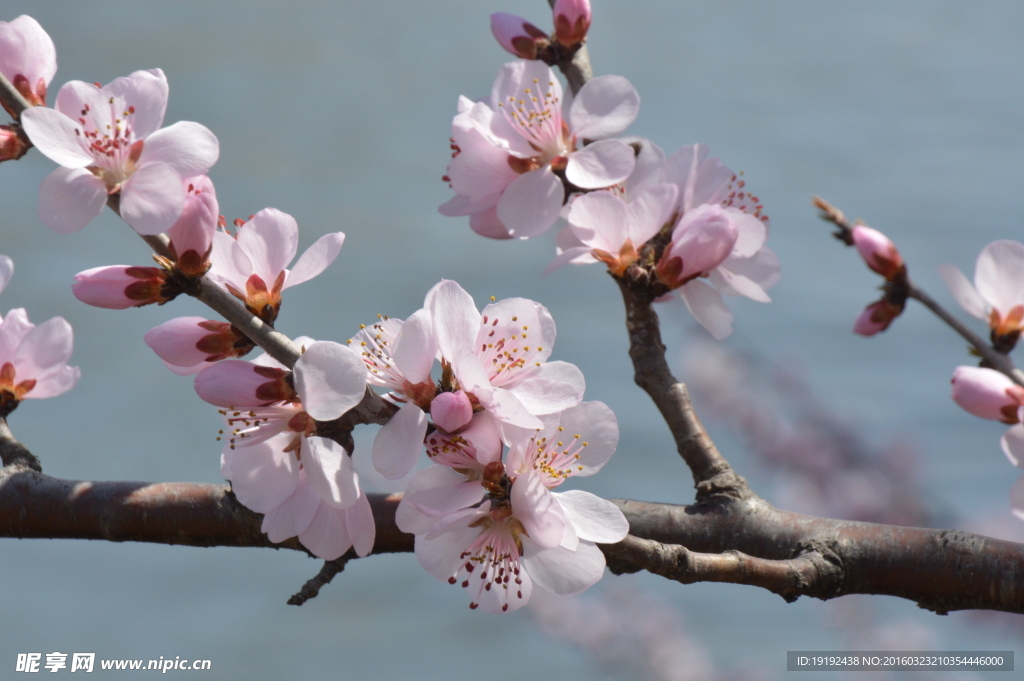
x: 112, y: 144
x: 537, y: 116
x: 492, y: 561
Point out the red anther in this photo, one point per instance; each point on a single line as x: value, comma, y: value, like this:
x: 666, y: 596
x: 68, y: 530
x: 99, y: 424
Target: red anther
x: 239, y: 222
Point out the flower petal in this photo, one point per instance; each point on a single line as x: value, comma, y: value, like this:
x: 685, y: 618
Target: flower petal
x: 708, y: 308
x: 270, y: 240
x: 594, y: 519
x: 69, y: 198
x: 565, y: 572
x: 330, y: 378
x: 54, y: 134
x: 330, y: 471
x: 294, y: 514
x: 999, y: 274
x: 152, y: 199
x: 361, y: 528
x: 535, y: 507
x: 604, y: 107
x: 600, y: 164
x: 399, y: 442
x: 6, y: 271
x: 315, y: 259
x: 327, y: 534
x: 456, y: 319
x: 190, y: 148
x: 1017, y: 498
x: 596, y: 424
x: 963, y: 291
x: 600, y: 220
x: 415, y: 347
x: 1012, y: 443
x: 147, y: 92
x: 531, y: 203
x: 650, y: 210
x: 263, y: 475
x: 43, y: 350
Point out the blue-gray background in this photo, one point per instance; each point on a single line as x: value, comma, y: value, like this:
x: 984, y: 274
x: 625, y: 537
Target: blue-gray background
x: 910, y: 115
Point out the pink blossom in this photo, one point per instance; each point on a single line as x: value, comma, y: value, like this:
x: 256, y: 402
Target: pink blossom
x: 118, y: 287
x: 451, y: 411
x: 878, y: 252
x: 987, y: 393
x: 572, y: 21
x: 190, y: 344
x: 108, y: 141
x: 253, y: 263
x: 28, y: 58
x: 517, y: 35
x: 997, y: 295
x: 720, y: 236
x: 876, y: 317
x: 33, y: 359
x: 510, y: 156
x: 192, y: 234
x: 498, y: 357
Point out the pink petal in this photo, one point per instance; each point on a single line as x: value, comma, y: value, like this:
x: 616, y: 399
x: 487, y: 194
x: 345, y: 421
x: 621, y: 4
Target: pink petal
x: 600, y: 164
x: 999, y: 275
x: 230, y: 264
x: 440, y: 555
x: 147, y: 92
x: 703, y: 239
x: 197, y: 223
x: 189, y: 148
x: 751, y: 233
x: 963, y: 291
x: 315, y: 259
x: 175, y: 341
x: 14, y: 327
x: 481, y: 169
x: 516, y: 77
x: 152, y: 198
x: 596, y: 424
x: 231, y: 383
x: 486, y: 223
x: 604, y: 107
x: 329, y: 471
x: 649, y: 168
x: 762, y: 269
x: 294, y: 514
x: 733, y: 283
x: 26, y: 49
x: 516, y: 35
x: 649, y: 211
x: 53, y: 134
x: 542, y: 396
x: 565, y: 572
x: 415, y: 347
x: 330, y: 379
x: 531, y: 203
x: 521, y: 322
x: 1013, y: 445
x: 327, y: 534
x: 708, y: 308
x: 594, y: 519
x: 984, y: 392
x: 361, y: 528
x: 600, y: 220
x: 263, y: 475
x: 536, y: 508
x: 399, y: 442
x: 69, y: 198
x: 57, y: 382
x: 506, y: 407
x: 581, y: 255
x: 270, y: 240
x: 44, y: 350
x: 451, y: 411
x: 432, y: 493
x: 456, y: 319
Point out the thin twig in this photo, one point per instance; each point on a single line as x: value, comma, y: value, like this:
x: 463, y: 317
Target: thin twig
x: 311, y: 589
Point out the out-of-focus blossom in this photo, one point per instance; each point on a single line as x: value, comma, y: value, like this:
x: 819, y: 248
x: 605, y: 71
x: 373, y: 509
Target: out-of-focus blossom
x: 720, y: 236
x: 511, y: 156
x: 877, y: 317
x: 118, y: 287
x: 517, y: 35
x: 33, y: 359
x: 997, y: 295
x: 108, y: 140
x: 28, y: 58
x: 253, y: 263
x: 572, y: 21
x: 192, y: 234
x: 878, y: 252
x: 987, y: 393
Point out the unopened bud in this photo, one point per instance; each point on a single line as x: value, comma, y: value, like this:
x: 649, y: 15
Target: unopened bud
x: 987, y: 393
x: 235, y: 383
x: 878, y: 252
x: 12, y: 146
x: 192, y: 235
x: 191, y: 341
x: 119, y: 287
x: 877, y: 317
x: 701, y: 241
x: 517, y: 35
x: 451, y: 411
x: 572, y: 21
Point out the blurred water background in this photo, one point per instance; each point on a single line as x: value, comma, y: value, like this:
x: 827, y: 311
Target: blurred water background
x: 909, y: 114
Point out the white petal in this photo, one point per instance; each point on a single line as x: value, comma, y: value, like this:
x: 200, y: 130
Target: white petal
x: 69, y: 198
x: 763, y: 269
x: 6, y: 271
x: 361, y: 528
x: 441, y: 555
x: 999, y: 274
x: 190, y: 148
x: 708, y: 308
x: 152, y: 198
x: 294, y: 514
x: 315, y: 259
x: 535, y: 507
x: 594, y: 519
x: 432, y: 493
x: 399, y: 442
x: 147, y: 92
x: 604, y: 106
x: 600, y: 164
x: 565, y: 572
x: 543, y: 396
x: 330, y: 471
x: 1013, y: 445
x: 456, y: 319
x: 531, y: 203
x: 55, y: 383
x: 732, y: 283
x: 43, y: 350
x: 596, y: 425
x: 327, y: 534
x: 415, y: 347
x: 53, y: 134
x: 1017, y: 498
x: 577, y: 256
x: 330, y: 379
x: 963, y: 291
x: 270, y: 240
x: 600, y: 220
x: 649, y: 210
x: 263, y: 475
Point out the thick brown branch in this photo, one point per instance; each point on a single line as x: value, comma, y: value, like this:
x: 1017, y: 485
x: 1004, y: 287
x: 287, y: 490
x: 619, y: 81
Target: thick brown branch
x: 745, y: 542
x: 711, y: 472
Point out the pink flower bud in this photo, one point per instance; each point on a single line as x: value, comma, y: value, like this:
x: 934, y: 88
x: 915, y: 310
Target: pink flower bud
x: 517, y: 35
x: 572, y: 20
x: 119, y: 287
x: 876, y: 318
x: 12, y: 147
x: 191, y: 341
x: 192, y: 235
x: 237, y: 384
x: 701, y: 241
x: 987, y: 393
x: 451, y: 411
x: 27, y: 57
x: 878, y: 252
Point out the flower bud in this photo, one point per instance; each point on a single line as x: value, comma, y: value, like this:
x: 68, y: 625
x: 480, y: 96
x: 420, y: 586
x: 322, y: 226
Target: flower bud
x: 237, y: 384
x: 119, y: 287
x: 28, y: 58
x: 877, y: 317
x: 878, y: 252
x: 191, y: 341
x: 987, y: 393
x: 572, y: 20
x: 12, y: 147
x: 701, y: 241
x: 192, y: 235
x: 451, y: 411
x: 517, y: 35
